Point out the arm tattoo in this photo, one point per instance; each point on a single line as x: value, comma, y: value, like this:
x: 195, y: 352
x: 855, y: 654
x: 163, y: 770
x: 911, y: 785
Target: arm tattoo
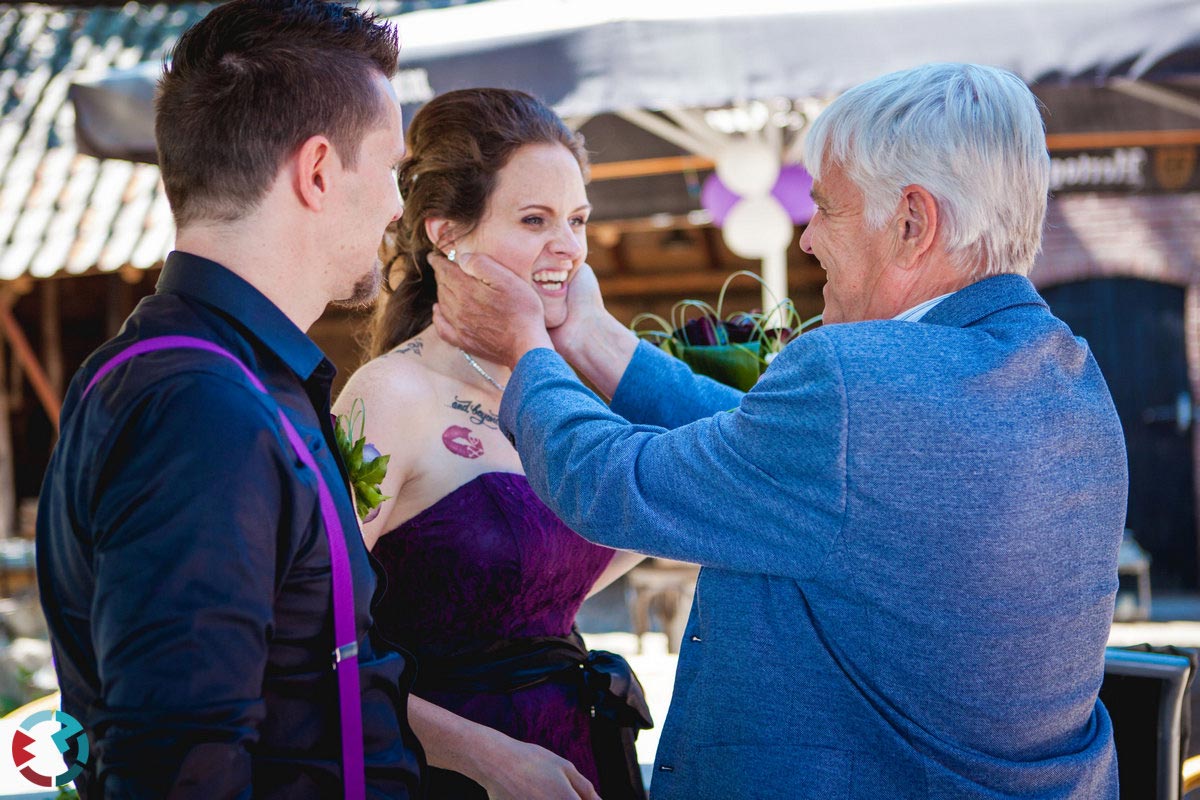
x: 476, y: 412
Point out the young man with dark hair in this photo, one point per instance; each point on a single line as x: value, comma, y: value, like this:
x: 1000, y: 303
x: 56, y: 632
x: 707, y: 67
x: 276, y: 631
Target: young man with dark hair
x: 189, y: 555
x: 183, y: 557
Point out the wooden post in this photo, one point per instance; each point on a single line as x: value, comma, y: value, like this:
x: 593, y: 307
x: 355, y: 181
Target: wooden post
x: 120, y: 303
x: 712, y: 250
x: 52, y: 355
x: 29, y: 361
x: 8, y: 487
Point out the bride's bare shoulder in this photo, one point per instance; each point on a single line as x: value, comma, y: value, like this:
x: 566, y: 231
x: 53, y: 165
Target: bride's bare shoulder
x: 400, y: 379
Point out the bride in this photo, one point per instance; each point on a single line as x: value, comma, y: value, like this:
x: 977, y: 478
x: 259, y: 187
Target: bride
x: 483, y: 580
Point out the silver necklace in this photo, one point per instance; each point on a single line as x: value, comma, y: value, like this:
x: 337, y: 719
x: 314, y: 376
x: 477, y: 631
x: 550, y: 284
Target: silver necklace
x: 482, y: 372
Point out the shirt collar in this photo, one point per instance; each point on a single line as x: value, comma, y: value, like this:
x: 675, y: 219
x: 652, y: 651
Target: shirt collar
x: 915, y: 313
x: 214, y: 285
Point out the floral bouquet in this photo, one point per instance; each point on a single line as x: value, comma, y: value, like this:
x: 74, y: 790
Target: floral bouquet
x: 367, y: 467
x: 733, y: 349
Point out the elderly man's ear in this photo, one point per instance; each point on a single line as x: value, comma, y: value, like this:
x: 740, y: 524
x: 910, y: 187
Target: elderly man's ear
x: 916, y: 226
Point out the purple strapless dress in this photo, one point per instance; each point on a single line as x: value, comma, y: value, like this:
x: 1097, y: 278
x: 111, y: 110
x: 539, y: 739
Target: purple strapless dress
x: 491, y: 562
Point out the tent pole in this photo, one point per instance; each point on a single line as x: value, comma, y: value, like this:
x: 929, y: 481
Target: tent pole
x: 665, y: 130
x: 695, y: 125
x: 1176, y: 101
x: 775, y: 285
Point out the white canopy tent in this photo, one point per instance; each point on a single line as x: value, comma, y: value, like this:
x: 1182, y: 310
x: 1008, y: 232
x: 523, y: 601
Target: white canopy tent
x: 665, y: 65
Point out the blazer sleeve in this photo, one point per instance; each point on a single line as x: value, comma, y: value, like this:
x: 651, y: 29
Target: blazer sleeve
x: 659, y: 389
x: 186, y: 517
x: 759, y: 488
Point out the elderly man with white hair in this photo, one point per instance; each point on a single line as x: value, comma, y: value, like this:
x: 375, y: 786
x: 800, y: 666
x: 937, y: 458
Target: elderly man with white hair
x: 909, y: 528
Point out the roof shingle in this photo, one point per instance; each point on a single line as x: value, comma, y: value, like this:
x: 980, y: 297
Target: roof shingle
x: 66, y: 213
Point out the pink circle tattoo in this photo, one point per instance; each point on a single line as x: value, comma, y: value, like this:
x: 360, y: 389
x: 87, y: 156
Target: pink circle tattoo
x: 462, y: 442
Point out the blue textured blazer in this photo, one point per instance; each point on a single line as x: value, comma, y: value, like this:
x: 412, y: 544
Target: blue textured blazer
x: 908, y: 533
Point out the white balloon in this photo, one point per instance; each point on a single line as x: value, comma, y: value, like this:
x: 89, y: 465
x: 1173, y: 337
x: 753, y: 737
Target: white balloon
x: 758, y: 226
x: 749, y: 168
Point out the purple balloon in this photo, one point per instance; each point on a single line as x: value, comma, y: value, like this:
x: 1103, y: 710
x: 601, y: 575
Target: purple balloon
x: 793, y: 191
x: 717, y: 199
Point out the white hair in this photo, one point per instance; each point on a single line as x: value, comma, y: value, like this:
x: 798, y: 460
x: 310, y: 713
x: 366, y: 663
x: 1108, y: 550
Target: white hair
x: 969, y: 134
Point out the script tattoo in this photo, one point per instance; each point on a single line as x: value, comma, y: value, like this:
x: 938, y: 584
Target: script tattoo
x: 462, y: 442
x: 477, y: 413
x: 413, y: 346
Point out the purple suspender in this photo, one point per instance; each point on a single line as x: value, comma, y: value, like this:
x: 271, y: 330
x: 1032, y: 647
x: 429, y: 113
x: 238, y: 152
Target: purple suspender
x: 345, y: 655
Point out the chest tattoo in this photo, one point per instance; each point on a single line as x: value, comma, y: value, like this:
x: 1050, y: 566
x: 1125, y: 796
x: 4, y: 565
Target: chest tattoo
x: 476, y: 413
x: 462, y: 442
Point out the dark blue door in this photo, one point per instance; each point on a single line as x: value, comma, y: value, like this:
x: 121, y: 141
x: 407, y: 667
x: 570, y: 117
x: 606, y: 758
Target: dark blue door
x: 1136, y: 331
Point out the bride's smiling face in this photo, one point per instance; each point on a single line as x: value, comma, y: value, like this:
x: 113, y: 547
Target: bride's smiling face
x: 535, y: 223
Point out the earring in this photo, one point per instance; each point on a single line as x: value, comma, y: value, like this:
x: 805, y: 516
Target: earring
x: 451, y: 254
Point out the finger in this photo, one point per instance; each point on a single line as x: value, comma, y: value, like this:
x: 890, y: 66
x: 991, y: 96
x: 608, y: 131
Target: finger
x: 582, y: 786
x: 445, y: 270
x: 483, y: 268
x: 450, y: 285
x: 444, y: 329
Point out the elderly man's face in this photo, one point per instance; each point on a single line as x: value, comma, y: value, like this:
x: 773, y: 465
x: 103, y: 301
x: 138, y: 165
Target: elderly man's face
x: 853, y: 257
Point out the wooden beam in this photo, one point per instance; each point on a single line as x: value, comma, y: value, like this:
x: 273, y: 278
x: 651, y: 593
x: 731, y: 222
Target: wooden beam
x: 1096, y: 141
x: 642, y: 167
x: 33, y: 369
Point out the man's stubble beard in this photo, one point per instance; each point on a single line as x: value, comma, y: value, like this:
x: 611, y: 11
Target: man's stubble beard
x: 365, y: 290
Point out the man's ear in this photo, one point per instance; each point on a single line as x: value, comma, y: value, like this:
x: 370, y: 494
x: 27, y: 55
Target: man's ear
x: 917, y: 225
x: 440, y: 231
x: 316, y: 164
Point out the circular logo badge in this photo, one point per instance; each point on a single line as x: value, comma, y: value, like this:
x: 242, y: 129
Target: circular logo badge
x: 70, y: 739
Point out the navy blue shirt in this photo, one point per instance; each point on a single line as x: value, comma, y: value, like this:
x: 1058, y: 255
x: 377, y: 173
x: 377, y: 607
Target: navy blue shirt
x: 185, y: 571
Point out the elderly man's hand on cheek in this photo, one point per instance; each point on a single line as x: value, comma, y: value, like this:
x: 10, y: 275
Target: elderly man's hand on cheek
x: 486, y: 309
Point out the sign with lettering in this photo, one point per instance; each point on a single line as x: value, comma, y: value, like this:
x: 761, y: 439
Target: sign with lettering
x: 1139, y: 170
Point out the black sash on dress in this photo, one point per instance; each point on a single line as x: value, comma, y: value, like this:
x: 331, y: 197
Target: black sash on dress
x: 606, y: 683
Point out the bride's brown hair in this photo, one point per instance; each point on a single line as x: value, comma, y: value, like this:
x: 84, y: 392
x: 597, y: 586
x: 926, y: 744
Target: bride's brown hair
x: 457, y: 144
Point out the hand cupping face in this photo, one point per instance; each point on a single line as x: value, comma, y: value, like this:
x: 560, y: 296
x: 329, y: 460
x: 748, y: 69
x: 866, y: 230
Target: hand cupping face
x: 486, y: 309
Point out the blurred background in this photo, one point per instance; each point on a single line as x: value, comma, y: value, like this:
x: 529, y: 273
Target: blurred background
x: 695, y: 115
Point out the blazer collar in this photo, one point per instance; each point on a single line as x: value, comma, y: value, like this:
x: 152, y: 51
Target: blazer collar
x: 972, y: 303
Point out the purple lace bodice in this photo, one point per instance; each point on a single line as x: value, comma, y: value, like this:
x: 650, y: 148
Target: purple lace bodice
x: 490, y: 561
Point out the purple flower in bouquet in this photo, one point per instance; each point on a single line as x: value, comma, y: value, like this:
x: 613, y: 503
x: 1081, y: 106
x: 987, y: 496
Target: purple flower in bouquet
x: 701, y: 331
x: 733, y: 349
